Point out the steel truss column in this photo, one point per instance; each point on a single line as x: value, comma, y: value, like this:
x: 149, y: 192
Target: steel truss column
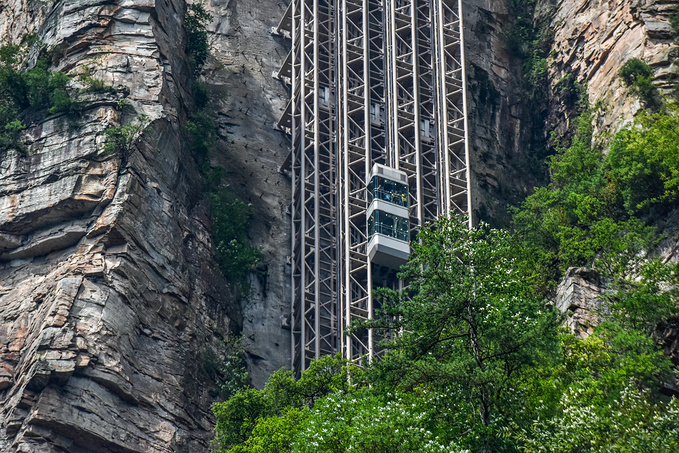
x: 373, y: 81
x: 298, y: 247
x: 354, y: 156
x: 314, y: 303
x: 451, y: 108
x: 428, y: 185
x: 404, y: 99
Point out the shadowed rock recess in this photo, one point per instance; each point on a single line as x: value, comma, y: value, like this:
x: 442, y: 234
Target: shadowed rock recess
x: 500, y: 119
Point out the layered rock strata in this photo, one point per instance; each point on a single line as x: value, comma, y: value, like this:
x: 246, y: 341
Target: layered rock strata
x: 108, y: 296
x: 594, y: 38
x: 579, y: 296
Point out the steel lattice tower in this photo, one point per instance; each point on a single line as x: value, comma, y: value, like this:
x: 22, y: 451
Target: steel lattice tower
x: 373, y: 82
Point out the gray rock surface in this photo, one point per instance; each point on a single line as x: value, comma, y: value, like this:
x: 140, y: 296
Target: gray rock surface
x: 248, y: 101
x: 109, y: 295
x: 579, y: 296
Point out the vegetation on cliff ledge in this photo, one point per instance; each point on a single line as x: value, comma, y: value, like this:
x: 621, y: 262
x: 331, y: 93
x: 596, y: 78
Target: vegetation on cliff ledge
x: 229, y: 214
x: 26, y: 95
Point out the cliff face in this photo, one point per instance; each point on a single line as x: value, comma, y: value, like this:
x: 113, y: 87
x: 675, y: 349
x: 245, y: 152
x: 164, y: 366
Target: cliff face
x: 110, y: 299
x: 589, y: 41
x: 594, y: 38
x: 247, y: 102
x: 108, y: 296
x: 502, y: 154
x: 592, y: 41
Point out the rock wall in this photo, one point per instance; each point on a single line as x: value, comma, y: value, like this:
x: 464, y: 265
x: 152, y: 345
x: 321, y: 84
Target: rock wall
x: 594, y: 38
x: 579, y: 296
x: 503, y: 159
x: 247, y: 102
x: 591, y: 40
x: 108, y: 296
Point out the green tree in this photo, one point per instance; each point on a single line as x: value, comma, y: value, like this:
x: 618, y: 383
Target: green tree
x: 644, y: 160
x: 648, y: 297
x: 274, y: 434
x: 468, y: 325
x: 239, y: 415
x: 197, y: 46
x: 365, y: 422
x: 598, y: 368
x: 637, y: 75
x: 633, y: 423
x: 230, y: 218
x: 581, y: 217
x: 28, y: 94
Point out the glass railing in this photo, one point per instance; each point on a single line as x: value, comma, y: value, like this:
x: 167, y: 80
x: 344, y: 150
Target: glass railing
x: 387, y: 224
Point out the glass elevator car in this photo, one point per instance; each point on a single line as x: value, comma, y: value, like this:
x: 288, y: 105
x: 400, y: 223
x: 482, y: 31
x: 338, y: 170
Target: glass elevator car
x: 388, y: 217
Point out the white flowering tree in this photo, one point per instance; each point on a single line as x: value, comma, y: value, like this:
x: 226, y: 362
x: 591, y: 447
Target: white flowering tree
x: 467, y: 325
x: 366, y: 422
x: 632, y: 423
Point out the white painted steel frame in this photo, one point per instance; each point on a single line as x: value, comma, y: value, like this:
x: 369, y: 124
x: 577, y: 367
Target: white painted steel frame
x: 371, y: 81
x: 314, y: 314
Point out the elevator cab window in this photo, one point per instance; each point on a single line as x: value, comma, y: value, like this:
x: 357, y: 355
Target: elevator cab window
x: 381, y: 188
x: 387, y: 224
x: 388, y: 217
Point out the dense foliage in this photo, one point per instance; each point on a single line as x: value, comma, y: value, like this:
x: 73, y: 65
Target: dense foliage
x: 27, y: 94
x: 475, y: 362
x: 479, y: 365
x: 231, y: 217
x: 470, y: 323
x: 119, y: 138
x: 599, y: 208
x: 638, y: 77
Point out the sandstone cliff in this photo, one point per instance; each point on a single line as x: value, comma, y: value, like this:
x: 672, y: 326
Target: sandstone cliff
x: 109, y: 294
x: 594, y: 38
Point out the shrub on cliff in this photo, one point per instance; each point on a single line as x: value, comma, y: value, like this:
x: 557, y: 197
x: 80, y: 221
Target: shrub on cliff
x: 230, y: 219
x: 644, y: 161
x: 196, y: 47
x: 638, y: 77
x: 27, y: 94
x: 580, y: 218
